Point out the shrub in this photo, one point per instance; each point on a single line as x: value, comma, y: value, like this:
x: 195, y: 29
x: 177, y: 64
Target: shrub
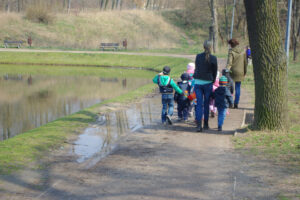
x: 39, y: 14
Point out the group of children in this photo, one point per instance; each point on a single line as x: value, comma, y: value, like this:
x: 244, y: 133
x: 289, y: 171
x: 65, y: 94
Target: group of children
x: 221, y: 98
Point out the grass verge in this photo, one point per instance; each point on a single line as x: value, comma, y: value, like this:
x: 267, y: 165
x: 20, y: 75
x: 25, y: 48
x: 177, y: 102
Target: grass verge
x: 26, y: 148
x: 282, y: 147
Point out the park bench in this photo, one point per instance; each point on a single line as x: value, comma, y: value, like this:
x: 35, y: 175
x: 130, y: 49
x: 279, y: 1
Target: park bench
x: 114, y: 46
x: 16, y: 43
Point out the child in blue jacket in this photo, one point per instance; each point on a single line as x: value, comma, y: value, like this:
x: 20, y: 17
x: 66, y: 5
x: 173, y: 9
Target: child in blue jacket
x: 183, y: 103
x: 166, y: 87
x: 223, y: 100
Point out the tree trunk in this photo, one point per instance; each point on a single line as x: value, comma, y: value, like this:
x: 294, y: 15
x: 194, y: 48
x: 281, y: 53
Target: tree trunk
x: 296, y: 28
x: 148, y: 3
x: 214, y: 16
x: 269, y: 65
x: 106, y: 3
x: 69, y: 5
x: 113, y: 4
x: 226, y: 19
x: 121, y: 4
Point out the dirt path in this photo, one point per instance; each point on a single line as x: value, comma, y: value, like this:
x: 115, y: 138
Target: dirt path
x: 155, y: 162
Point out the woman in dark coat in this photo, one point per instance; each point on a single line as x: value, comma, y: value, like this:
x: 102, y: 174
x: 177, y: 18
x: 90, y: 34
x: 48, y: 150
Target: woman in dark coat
x: 204, y: 77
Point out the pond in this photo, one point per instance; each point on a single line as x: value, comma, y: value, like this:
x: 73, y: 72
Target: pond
x: 29, y: 101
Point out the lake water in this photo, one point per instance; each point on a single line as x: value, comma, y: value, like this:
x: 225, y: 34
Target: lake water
x: 27, y: 102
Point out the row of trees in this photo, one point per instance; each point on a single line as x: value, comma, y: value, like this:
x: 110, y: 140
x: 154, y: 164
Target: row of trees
x: 67, y: 5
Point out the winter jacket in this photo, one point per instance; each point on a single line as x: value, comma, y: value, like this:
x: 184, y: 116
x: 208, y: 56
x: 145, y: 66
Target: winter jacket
x: 237, y: 64
x: 166, y: 84
x: 182, y: 98
x: 206, y: 70
x: 223, y: 98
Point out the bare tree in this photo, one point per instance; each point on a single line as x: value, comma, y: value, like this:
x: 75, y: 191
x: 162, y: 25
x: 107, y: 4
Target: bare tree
x: 214, y: 17
x: 226, y: 19
x: 69, y: 5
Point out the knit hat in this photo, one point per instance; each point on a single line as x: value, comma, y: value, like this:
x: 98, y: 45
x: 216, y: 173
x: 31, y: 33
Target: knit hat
x: 184, y: 77
x: 223, y: 80
x: 190, y: 68
x: 166, y: 70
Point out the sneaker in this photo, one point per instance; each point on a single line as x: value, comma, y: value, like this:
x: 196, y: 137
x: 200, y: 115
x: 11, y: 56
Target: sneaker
x: 179, y: 120
x: 236, y: 106
x: 219, y: 128
x: 164, y: 123
x: 169, y: 119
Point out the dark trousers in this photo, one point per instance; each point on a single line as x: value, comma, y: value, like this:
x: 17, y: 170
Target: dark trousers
x: 183, y: 110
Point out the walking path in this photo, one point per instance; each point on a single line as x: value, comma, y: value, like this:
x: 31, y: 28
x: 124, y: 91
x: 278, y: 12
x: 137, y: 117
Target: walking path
x: 154, y: 162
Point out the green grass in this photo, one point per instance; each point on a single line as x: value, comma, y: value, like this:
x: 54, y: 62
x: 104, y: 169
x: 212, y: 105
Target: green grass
x: 20, y: 151
x: 283, y: 147
x: 151, y: 62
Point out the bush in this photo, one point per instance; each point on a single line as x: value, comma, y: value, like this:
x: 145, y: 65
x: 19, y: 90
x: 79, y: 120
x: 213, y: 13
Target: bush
x: 39, y: 14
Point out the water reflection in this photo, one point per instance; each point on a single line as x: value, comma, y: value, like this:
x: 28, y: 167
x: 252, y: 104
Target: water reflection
x: 27, y: 102
x: 100, y: 139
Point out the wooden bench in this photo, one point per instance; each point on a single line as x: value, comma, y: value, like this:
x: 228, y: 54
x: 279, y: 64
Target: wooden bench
x: 114, y: 46
x: 17, y: 43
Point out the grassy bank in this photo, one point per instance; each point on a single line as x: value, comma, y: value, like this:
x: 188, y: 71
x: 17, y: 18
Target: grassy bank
x: 282, y: 147
x: 150, y: 62
x: 20, y: 151
x: 142, y: 29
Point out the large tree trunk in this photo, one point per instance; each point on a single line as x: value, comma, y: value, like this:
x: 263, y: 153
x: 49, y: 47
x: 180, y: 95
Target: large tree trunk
x: 214, y: 16
x: 269, y: 65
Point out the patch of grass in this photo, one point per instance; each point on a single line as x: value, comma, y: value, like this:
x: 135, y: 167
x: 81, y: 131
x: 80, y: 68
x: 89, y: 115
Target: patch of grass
x: 20, y: 151
x: 85, y: 59
x: 283, y: 147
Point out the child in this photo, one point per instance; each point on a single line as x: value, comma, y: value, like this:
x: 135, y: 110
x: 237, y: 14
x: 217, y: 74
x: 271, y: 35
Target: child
x: 190, y: 69
x: 183, y: 103
x: 166, y: 86
x: 212, y: 107
x: 223, y: 100
x: 230, y: 85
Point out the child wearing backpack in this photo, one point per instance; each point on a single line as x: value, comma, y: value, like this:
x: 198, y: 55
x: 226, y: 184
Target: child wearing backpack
x: 223, y: 100
x: 166, y: 87
x: 183, y: 103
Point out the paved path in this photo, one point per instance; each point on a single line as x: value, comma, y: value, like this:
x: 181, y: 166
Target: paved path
x: 155, y: 162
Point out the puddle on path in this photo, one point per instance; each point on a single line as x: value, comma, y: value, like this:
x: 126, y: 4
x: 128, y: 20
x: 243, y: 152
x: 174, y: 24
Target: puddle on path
x: 100, y: 139
x: 27, y: 102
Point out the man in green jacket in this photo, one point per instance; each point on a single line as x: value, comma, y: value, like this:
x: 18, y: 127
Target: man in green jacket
x: 166, y: 86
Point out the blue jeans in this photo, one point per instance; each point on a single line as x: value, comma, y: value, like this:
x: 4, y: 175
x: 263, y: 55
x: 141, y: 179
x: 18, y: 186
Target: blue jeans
x: 237, y: 92
x: 203, y: 93
x: 221, y: 116
x: 168, y: 104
